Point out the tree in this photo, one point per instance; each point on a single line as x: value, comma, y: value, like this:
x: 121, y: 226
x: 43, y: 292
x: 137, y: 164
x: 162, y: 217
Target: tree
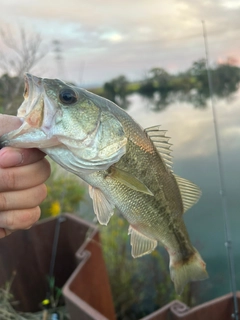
x: 22, y: 53
x: 116, y: 90
x: 7, y: 87
x: 226, y: 79
x: 158, y: 80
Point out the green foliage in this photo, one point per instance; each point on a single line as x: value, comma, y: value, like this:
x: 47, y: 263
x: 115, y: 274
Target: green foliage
x: 139, y: 286
x: 50, y: 306
x: 162, y: 88
x: 226, y: 79
x: 9, y: 100
x: 54, y: 294
x: 116, y: 90
x: 121, y: 267
x: 64, y: 193
x: 191, y: 85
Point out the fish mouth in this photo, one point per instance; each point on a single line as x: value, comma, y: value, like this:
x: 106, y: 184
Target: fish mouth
x: 32, y: 108
x: 29, y: 81
x: 34, y: 129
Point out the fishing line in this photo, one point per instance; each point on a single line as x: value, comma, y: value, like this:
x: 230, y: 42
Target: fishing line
x: 228, y: 241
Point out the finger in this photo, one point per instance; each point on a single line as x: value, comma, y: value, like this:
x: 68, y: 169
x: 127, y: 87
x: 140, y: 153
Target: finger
x: 8, y: 123
x: 3, y: 233
x: 18, y: 219
x: 25, y: 177
x: 11, y: 157
x: 22, y: 199
x: 6, y: 232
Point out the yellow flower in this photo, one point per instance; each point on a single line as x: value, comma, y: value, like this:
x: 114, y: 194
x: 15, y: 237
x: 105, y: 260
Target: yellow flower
x: 55, y: 208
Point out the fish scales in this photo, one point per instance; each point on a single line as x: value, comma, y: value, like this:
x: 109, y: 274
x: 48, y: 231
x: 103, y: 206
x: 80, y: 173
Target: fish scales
x: 160, y: 216
x: 144, y: 211
x: 125, y: 166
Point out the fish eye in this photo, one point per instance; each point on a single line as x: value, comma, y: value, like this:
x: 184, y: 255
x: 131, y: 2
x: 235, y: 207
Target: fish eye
x: 67, y: 96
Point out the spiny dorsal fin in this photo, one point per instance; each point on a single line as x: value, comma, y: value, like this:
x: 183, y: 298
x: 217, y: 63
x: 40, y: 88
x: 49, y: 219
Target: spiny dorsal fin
x: 102, y: 207
x: 161, y: 143
x: 190, y: 192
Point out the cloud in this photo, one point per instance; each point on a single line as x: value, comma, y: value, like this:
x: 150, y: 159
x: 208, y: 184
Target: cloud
x: 231, y: 4
x: 113, y: 37
x: 192, y: 130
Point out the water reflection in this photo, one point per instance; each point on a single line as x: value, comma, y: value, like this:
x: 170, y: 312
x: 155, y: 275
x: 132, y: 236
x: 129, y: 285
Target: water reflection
x: 159, y: 102
x: 163, y: 89
x: 195, y: 158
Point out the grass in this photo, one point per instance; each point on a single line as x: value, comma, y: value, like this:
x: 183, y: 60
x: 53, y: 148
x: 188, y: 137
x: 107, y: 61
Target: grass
x: 7, y: 311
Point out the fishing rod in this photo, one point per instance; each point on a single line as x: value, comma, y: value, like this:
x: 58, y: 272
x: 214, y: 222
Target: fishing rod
x: 228, y: 241
x: 46, y: 303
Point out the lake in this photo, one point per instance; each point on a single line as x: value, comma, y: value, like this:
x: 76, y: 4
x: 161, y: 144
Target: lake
x: 195, y: 158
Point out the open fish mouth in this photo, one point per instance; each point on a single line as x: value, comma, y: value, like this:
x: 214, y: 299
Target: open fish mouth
x: 36, y: 120
x: 59, y: 115
x: 29, y: 81
x: 32, y: 109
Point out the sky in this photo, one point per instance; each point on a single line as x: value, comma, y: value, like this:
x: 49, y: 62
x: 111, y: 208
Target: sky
x: 102, y: 39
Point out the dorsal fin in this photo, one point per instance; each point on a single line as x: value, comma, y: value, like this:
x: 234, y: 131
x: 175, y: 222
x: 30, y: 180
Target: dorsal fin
x: 160, y: 141
x: 190, y: 192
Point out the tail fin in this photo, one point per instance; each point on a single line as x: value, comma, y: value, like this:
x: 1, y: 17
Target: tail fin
x: 183, y: 272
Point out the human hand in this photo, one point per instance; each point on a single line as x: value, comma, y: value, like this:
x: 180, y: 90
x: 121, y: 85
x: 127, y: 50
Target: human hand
x: 22, y: 176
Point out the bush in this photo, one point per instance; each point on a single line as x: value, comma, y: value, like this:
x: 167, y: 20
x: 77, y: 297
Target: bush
x: 139, y: 286
x: 65, y: 191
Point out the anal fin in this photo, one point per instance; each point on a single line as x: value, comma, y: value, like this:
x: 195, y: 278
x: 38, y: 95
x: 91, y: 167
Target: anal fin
x: 141, y: 244
x: 102, y: 207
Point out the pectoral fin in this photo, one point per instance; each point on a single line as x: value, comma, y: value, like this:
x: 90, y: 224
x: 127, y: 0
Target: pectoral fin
x: 101, y: 206
x: 128, y: 180
x: 141, y: 244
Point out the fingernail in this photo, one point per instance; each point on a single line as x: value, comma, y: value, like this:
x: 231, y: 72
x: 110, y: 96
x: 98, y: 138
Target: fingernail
x: 10, y: 157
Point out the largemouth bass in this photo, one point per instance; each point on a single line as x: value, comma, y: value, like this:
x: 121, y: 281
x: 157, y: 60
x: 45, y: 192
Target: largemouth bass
x: 125, y: 166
